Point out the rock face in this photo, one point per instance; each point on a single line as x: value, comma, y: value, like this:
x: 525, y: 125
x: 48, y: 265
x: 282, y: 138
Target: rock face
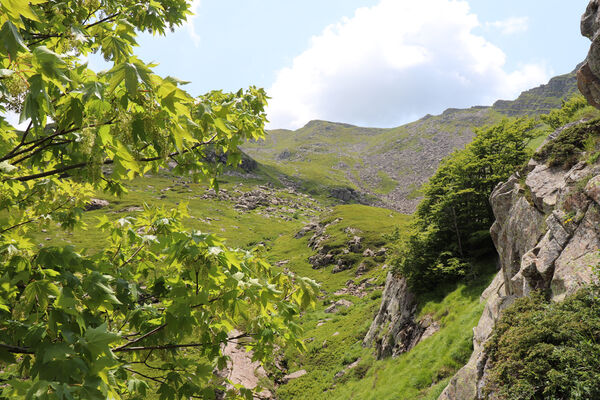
x: 588, y: 76
x: 394, y: 330
x: 547, y: 233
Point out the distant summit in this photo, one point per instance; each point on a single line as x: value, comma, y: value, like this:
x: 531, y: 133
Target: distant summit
x: 387, y: 167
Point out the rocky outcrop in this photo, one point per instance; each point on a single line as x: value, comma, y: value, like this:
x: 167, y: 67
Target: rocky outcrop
x: 96, y: 204
x: 338, y: 305
x: 547, y: 233
x: 542, y: 99
x: 588, y: 75
x: 246, y: 163
x: 394, y: 329
x: 345, y: 194
x: 241, y: 369
x: 325, y: 255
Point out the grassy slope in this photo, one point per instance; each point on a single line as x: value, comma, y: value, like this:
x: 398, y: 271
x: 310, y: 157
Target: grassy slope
x: 421, y: 373
x: 240, y: 229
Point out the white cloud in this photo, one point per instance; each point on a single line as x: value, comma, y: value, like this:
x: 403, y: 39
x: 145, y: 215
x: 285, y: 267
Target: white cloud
x: 511, y: 25
x: 189, y: 24
x: 393, y: 63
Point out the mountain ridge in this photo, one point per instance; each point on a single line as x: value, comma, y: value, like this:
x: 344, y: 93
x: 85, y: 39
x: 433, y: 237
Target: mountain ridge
x: 326, y: 157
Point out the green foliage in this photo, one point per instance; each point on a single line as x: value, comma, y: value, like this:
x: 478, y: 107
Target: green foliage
x: 542, y: 350
x: 454, y: 216
x: 570, y: 111
x: 568, y: 147
x: 421, y: 373
x: 152, y: 307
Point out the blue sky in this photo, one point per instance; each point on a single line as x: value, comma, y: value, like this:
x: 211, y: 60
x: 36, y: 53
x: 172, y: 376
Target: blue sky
x: 390, y: 62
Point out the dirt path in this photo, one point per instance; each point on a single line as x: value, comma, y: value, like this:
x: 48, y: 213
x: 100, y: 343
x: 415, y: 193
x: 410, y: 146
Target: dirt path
x: 241, y: 370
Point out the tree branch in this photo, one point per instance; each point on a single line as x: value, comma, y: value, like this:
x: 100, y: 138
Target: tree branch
x: 107, y: 162
x: 35, y: 219
x: 172, y: 346
x: 152, y: 332
x: 16, y: 349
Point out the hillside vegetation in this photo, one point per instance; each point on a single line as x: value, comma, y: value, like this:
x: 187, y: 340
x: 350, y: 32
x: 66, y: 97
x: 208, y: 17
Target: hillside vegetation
x: 388, y: 166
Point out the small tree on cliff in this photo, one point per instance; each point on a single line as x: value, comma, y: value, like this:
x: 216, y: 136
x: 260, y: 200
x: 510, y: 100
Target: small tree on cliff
x: 453, y: 219
x: 155, y: 306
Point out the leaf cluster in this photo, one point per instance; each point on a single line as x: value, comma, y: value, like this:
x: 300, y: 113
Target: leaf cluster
x: 154, y: 308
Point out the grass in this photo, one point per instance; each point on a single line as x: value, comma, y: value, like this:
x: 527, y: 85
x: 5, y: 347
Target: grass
x: 239, y: 229
x: 386, y: 184
x: 568, y: 147
x: 421, y: 373
x: 372, y: 223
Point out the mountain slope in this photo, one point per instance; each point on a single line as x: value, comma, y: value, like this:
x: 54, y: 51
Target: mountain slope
x: 386, y: 167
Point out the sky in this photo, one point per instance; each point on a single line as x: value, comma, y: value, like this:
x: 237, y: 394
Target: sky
x: 376, y: 63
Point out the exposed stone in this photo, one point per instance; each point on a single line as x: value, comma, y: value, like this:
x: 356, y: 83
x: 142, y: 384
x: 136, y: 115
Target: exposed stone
x: 338, y: 305
x: 545, y: 183
x: 355, y: 244
x: 96, y: 204
x: 321, y: 260
x: 344, y: 194
x: 241, y: 369
x: 293, y: 375
x: 588, y: 75
x: 573, y: 267
x: 548, y: 241
x: 340, y: 267
x: 381, y: 252
x: 592, y: 189
x: 362, y: 268
x: 394, y: 330
x: 368, y: 253
x: 284, y: 155
x: 306, y: 229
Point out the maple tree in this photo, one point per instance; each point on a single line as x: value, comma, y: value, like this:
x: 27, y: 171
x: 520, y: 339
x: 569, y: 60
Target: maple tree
x: 152, y: 309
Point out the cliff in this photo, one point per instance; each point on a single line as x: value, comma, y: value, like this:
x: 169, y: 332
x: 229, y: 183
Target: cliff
x: 547, y: 233
x: 394, y: 329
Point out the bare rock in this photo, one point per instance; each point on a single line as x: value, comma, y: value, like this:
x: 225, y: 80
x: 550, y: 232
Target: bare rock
x: 96, y: 204
x: 320, y: 260
x: 368, y: 253
x: 547, y: 233
x: 545, y: 183
x: 338, y: 305
x: 573, y: 267
x: 588, y: 80
x: 394, y: 330
x: 293, y: 375
x: 306, y: 229
x: 355, y: 244
x: 381, y: 252
x: 340, y: 267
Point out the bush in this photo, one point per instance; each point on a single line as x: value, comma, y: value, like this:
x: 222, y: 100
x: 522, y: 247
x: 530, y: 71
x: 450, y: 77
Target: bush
x: 570, y: 144
x: 542, y: 350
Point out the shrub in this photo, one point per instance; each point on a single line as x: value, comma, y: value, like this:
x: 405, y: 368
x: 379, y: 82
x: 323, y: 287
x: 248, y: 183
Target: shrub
x: 542, y: 350
x: 570, y: 144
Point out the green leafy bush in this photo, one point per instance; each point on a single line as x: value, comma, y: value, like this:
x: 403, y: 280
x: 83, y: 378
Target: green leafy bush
x: 547, y: 350
x: 577, y: 106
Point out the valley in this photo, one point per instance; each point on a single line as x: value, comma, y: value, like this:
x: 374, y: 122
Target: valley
x: 163, y: 245
x: 334, y: 220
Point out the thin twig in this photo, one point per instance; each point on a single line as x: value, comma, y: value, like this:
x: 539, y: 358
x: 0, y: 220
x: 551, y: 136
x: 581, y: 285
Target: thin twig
x: 152, y: 332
